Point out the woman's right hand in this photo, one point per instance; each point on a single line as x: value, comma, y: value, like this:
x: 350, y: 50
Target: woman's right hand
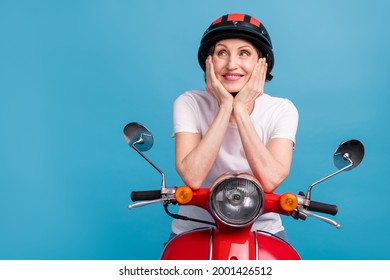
x: 214, y: 87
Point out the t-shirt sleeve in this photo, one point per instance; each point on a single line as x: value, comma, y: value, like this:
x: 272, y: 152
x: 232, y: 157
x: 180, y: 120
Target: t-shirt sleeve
x: 286, y: 123
x: 185, y: 114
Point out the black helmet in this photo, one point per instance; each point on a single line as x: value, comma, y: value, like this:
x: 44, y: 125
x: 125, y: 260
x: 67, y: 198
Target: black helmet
x: 237, y: 26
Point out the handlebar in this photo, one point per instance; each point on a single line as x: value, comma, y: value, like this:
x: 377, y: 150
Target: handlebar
x: 145, y: 195
x: 314, y: 205
x: 323, y: 208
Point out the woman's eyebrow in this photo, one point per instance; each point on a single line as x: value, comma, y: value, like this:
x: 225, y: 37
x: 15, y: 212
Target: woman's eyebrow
x: 239, y: 47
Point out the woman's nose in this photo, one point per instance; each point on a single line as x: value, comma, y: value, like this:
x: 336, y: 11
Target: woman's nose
x: 232, y: 62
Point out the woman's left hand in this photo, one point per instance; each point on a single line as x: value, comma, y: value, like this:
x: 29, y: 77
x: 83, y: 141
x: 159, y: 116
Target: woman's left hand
x: 254, y: 87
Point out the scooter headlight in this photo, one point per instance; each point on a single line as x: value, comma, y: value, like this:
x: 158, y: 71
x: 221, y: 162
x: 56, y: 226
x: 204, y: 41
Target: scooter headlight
x: 236, y: 199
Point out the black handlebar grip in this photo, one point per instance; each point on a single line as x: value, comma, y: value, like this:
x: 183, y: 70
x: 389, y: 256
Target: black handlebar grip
x: 145, y: 195
x: 323, y: 207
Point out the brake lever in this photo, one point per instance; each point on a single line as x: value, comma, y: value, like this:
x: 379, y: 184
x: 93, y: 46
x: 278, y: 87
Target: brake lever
x: 143, y: 203
x: 326, y: 220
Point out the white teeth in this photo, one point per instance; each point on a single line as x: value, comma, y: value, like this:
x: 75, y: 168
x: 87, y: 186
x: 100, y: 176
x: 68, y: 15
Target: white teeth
x: 232, y: 76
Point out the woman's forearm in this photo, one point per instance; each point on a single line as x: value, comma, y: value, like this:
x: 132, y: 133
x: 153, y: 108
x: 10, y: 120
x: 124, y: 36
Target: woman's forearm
x: 270, y: 164
x: 195, y: 155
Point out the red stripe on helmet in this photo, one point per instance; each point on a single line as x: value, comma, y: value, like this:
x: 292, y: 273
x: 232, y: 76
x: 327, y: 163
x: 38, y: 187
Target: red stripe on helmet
x: 218, y: 20
x: 237, y: 17
x: 255, y: 22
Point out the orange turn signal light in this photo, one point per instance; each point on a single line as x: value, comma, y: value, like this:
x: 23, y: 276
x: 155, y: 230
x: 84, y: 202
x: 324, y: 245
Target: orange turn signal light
x: 288, y: 201
x: 183, y: 194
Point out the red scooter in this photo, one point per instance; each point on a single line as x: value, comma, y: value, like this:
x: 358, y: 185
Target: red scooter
x: 235, y: 201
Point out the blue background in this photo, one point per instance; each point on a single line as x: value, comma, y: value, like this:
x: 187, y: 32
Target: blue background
x: 73, y: 73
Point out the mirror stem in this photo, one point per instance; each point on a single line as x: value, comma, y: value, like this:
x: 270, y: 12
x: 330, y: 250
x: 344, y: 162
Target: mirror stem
x: 346, y: 157
x: 163, y: 184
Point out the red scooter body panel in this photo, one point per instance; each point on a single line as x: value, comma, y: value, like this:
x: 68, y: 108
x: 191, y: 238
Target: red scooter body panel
x: 274, y: 248
x: 193, y: 245
x: 205, y: 244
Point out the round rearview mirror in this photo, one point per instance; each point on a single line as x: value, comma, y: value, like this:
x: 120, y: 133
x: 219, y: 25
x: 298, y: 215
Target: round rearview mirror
x: 138, y: 136
x: 353, y: 149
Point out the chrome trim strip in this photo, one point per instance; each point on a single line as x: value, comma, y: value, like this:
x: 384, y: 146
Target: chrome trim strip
x: 211, y: 243
x: 256, y: 246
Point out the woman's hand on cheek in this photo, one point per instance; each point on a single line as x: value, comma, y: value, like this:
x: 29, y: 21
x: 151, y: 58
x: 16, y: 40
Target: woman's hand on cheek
x: 214, y: 86
x: 254, y: 87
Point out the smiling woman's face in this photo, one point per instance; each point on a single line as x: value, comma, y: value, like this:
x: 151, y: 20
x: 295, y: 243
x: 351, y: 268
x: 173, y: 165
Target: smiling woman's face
x: 234, y: 60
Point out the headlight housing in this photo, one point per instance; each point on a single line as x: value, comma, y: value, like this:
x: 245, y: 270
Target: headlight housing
x: 236, y: 199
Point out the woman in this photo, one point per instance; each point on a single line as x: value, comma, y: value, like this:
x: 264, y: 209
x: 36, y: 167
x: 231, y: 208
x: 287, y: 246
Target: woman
x: 233, y: 125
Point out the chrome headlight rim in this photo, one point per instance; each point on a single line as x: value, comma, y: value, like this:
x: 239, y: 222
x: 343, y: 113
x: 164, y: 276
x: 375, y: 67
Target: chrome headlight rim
x: 239, y: 184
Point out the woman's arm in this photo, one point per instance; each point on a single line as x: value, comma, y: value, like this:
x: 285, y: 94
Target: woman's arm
x: 195, y: 155
x: 270, y: 164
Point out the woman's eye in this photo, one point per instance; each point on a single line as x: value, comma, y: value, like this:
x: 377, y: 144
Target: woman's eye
x: 245, y: 53
x: 222, y: 52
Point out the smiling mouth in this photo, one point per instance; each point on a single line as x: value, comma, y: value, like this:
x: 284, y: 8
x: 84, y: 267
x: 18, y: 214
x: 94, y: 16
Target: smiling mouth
x: 232, y: 77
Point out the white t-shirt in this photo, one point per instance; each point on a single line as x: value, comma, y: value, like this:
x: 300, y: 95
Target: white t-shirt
x: 273, y: 117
